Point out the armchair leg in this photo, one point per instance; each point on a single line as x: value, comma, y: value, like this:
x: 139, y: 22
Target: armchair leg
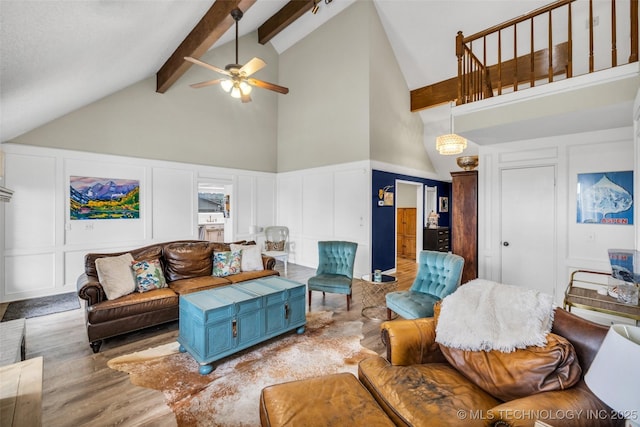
x: 348, y: 302
x: 309, y: 300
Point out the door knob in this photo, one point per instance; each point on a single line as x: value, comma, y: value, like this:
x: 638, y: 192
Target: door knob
x: 505, y: 243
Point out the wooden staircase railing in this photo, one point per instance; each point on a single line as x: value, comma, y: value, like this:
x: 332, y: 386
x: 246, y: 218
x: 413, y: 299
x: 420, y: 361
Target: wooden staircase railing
x: 526, y: 66
x: 536, y: 48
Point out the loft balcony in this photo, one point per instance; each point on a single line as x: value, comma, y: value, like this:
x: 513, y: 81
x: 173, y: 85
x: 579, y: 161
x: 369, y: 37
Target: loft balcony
x: 563, y: 40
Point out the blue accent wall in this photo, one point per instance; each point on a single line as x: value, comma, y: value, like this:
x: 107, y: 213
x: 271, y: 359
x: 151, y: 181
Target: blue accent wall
x: 383, y: 237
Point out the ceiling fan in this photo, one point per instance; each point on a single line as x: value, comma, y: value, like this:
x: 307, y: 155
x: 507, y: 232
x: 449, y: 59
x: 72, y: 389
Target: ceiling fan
x: 237, y: 81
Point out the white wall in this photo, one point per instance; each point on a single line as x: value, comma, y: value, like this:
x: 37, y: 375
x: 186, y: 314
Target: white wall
x: 44, y: 250
x: 328, y: 203
x: 324, y: 119
x: 579, y: 246
x: 197, y: 126
x: 396, y: 134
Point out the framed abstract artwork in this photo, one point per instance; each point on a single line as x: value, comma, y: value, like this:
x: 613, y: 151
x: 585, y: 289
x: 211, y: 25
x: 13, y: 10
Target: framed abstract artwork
x: 605, y: 198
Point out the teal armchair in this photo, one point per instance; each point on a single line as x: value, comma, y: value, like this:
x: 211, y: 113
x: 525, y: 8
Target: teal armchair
x: 439, y: 274
x: 335, y: 269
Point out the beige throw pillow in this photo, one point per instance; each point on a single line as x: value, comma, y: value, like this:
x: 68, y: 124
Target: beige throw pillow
x: 115, y: 275
x: 251, y: 257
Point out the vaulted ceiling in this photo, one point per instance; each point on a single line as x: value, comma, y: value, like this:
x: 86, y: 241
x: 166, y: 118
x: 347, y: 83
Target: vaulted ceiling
x: 58, y: 55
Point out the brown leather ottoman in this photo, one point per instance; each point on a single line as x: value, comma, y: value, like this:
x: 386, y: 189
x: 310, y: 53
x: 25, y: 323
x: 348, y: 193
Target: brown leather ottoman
x: 330, y: 400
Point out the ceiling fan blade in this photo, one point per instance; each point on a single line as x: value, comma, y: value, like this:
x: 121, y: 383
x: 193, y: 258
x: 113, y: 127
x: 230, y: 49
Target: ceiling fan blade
x: 207, y: 83
x: 205, y: 65
x: 256, y: 64
x: 245, y: 98
x: 266, y: 85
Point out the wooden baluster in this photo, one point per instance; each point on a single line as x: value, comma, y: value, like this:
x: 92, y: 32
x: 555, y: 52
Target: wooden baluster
x: 470, y: 74
x: 570, y: 44
x: 634, y: 31
x: 459, y: 54
x: 591, y: 36
x: 515, y: 58
x: 499, y: 62
x: 550, y: 31
x: 614, y: 48
x: 532, y: 68
x: 485, y: 67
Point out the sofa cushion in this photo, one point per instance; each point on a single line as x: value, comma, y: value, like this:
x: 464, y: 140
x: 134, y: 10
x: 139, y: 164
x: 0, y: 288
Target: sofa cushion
x: 184, y: 260
x: 226, y: 263
x: 115, y: 275
x: 196, y: 284
x: 431, y: 394
x: 522, y: 372
x: 251, y: 257
x: 274, y: 246
x: 132, y: 305
x: 146, y: 252
x: 148, y: 275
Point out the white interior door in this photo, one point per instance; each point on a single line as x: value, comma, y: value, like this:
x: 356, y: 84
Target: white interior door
x: 528, y: 211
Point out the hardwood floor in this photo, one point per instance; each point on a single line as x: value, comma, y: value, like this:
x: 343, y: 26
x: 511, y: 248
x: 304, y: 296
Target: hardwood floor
x: 79, y: 389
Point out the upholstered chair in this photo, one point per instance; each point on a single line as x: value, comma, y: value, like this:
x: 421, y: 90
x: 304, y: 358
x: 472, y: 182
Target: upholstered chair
x: 439, y: 274
x: 335, y: 269
x: 276, y: 244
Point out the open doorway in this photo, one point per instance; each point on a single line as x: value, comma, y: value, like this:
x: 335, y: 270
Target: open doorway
x: 409, y: 219
x: 213, y: 210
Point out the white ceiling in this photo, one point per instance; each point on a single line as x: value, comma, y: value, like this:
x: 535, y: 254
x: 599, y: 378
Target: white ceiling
x: 59, y: 55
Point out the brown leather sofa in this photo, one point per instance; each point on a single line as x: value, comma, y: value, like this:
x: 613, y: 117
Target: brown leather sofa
x: 187, y: 267
x: 416, y: 385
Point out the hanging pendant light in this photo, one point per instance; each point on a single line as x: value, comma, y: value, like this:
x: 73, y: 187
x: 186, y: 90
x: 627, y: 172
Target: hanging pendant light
x: 450, y: 143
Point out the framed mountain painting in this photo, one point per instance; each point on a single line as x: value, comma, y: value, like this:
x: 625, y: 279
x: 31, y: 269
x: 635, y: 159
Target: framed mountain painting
x: 103, y: 198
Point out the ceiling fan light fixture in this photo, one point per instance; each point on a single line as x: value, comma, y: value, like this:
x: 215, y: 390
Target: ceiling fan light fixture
x: 245, y: 88
x: 226, y: 85
x: 235, y: 92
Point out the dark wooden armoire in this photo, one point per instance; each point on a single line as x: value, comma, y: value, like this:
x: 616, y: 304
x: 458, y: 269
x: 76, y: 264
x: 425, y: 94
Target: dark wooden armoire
x: 464, y: 221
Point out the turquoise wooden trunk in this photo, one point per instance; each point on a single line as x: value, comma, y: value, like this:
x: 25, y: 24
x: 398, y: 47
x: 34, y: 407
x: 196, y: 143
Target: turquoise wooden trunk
x: 219, y: 322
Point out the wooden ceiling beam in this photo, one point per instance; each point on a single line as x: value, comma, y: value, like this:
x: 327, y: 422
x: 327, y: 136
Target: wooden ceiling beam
x: 282, y: 19
x: 211, y: 27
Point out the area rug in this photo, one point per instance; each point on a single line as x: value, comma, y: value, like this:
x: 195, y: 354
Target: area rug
x: 35, y: 307
x: 229, y: 396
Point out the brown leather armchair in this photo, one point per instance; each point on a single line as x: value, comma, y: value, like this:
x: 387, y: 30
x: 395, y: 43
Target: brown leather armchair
x: 416, y: 385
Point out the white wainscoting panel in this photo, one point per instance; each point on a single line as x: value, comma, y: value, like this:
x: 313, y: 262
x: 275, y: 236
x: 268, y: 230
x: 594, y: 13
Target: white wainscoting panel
x: 29, y: 275
x: 245, y: 204
x: 31, y: 214
x: 174, y: 204
x: 351, y: 208
x: 330, y: 203
x: 74, y: 266
x: 317, y: 205
x: 265, y: 201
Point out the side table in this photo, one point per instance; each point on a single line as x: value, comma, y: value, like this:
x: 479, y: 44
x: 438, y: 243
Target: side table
x: 374, y: 304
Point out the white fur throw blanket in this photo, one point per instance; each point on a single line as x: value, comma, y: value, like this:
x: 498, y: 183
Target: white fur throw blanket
x: 485, y: 315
